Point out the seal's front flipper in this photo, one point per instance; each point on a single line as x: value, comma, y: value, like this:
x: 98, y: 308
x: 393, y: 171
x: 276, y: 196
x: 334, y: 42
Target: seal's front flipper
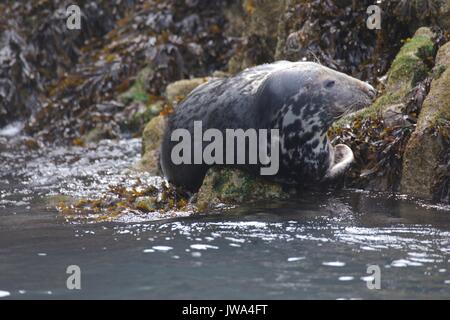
x: 343, y: 158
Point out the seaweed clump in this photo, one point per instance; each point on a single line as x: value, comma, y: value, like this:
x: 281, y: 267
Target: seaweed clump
x: 38, y: 48
x: 119, y: 201
x: 71, y: 80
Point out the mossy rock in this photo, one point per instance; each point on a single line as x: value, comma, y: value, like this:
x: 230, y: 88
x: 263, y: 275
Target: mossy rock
x: 53, y: 201
x: 370, y: 131
x: 375, y: 110
x: 154, y: 130
x: 411, y: 65
x: 232, y: 186
x: 178, y: 90
x: 148, y: 113
x: 100, y: 132
x: 147, y: 204
x: 430, y: 142
x: 151, y: 142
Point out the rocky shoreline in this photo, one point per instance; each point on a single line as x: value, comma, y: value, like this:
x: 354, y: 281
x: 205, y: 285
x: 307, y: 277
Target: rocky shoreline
x: 127, y: 72
x: 390, y: 138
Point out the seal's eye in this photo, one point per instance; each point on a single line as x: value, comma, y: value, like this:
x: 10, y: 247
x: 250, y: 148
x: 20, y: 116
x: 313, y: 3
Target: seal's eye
x: 329, y: 84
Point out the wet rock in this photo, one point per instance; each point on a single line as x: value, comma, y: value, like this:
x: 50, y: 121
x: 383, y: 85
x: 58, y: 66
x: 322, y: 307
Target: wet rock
x: 378, y: 134
x: 425, y: 169
x: 151, y: 142
x: 100, y: 132
x: 232, y: 186
x: 141, y: 199
x: 53, y: 201
x: 31, y: 144
x: 394, y: 116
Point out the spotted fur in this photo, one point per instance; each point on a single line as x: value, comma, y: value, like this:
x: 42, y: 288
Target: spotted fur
x: 301, y: 99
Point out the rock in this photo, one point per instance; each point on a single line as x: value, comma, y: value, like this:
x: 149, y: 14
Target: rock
x: 444, y: 15
x: 146, y: 204
x: 259, y: 20
x: 151, y: 142
x: 220, y: 74
x: 298, y: 42
x: 154, y: 130
x: 411, y: 65
x: 31, y: 143
x: 393, y: 116
x: 429, y: 143
x: 177, y: 91
x: 443, y: 56
x: 232, y: 186
x: 408, y: 68
x: 53, y: 201
x: 378, y: 134
x: 3, y: 144
x: 100, y: 132
x: 144, y: 113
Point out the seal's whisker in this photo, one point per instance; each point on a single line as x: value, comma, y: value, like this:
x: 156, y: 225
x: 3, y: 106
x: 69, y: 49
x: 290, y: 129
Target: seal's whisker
x: 348, y: 110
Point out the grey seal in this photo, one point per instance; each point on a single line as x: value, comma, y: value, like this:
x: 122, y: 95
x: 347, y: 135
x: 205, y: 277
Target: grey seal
x: 300, y: 99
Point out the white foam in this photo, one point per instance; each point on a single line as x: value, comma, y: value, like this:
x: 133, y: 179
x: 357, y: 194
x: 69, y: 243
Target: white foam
x: 334, y: 264
x: 346, y: 278
x: 162, y: 248
x: 293, y: 259
x: 202, y: 247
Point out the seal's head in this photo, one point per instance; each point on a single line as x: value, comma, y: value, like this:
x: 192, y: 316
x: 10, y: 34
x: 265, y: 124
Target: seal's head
x: 345, y: 94
x: 320, y: 96
x: 336, y: 93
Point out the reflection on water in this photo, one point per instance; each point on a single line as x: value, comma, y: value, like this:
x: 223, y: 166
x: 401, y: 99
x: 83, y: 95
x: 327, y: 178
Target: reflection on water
x: 316, y: 246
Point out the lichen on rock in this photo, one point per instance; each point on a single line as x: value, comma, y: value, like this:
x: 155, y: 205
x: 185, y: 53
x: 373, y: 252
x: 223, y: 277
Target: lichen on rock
x: 178, y: 90
x: 412, y: 63
x: 154, y: 130
x: 151, y: 141
x: 232, y: 186
x: 425, y: 167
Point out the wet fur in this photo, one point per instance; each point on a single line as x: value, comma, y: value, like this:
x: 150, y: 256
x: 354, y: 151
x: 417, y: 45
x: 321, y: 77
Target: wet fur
x: 298, y: 98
